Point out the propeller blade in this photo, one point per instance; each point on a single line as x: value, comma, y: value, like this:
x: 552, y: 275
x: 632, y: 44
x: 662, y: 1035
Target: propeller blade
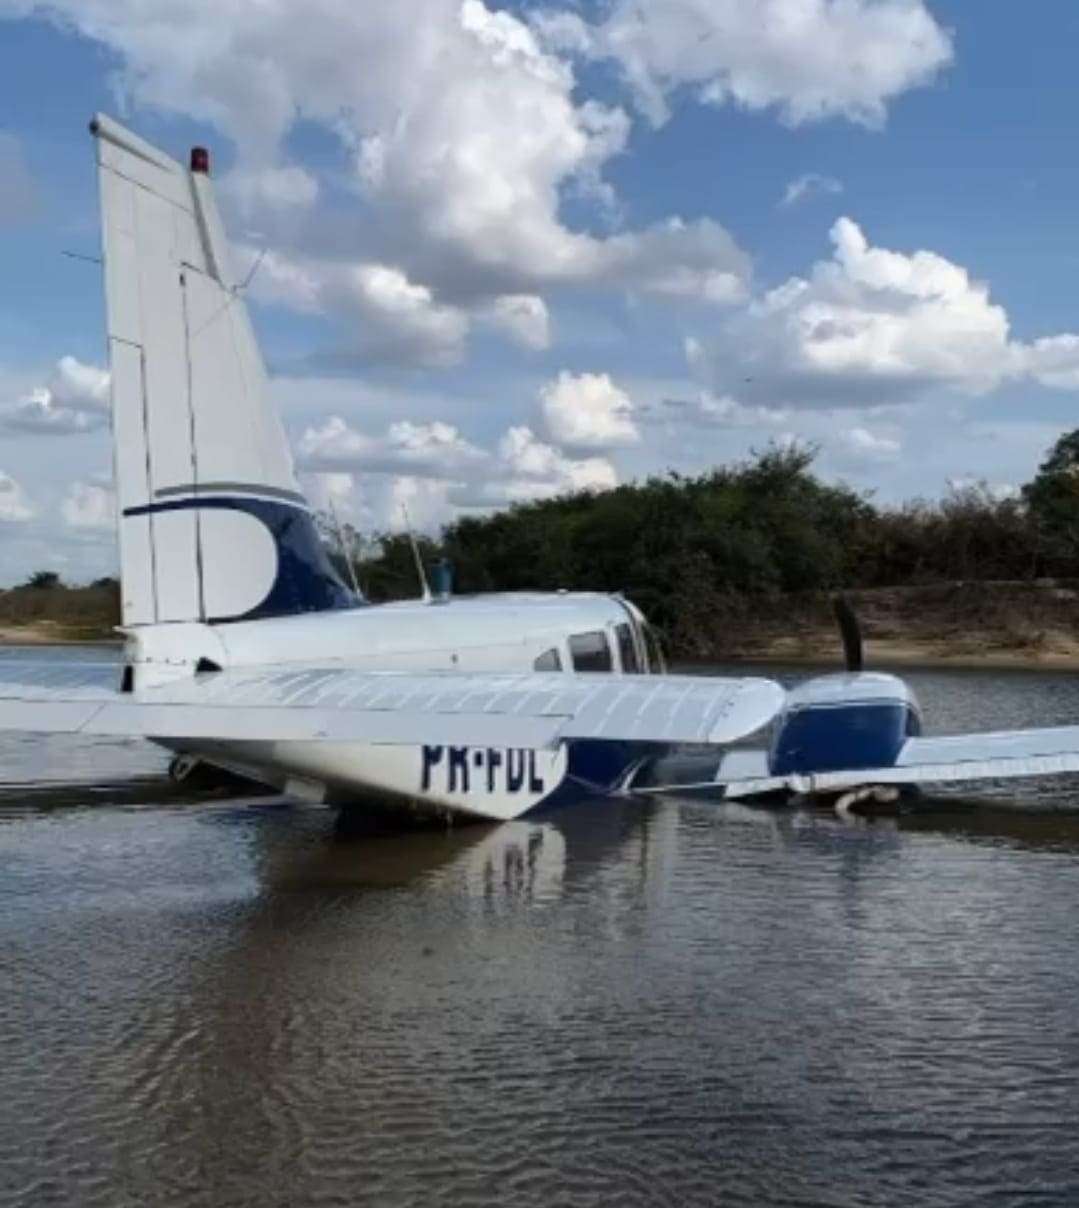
x: 850, y: 631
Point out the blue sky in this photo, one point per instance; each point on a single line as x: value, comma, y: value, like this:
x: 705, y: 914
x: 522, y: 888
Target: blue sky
x: 511, y: 250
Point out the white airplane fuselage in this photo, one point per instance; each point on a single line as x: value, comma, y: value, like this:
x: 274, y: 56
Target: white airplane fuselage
x: 512, y: 632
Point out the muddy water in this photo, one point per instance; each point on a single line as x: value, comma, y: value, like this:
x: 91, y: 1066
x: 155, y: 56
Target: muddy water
x: 229, y: 1001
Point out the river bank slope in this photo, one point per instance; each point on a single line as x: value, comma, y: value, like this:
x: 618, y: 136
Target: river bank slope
x: 994, y: 624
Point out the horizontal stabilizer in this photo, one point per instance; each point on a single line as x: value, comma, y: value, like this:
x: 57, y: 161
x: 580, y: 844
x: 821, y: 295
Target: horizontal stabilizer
x: 335, y: 704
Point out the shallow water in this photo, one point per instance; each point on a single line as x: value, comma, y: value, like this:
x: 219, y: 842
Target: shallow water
x: 237, y: 1001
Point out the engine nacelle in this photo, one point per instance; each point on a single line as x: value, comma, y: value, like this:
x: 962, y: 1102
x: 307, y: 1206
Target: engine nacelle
x: 840, y: 722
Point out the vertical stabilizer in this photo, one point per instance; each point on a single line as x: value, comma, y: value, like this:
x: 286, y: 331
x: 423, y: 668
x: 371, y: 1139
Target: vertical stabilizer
x: 213, y: 526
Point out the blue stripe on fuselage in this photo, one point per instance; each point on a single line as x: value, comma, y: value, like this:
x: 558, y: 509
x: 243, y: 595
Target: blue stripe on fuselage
x: 305, y: 581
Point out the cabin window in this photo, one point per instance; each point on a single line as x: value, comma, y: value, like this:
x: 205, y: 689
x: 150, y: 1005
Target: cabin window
x: 549, y: 660
x: 590, y: 652
x: 627, y: 649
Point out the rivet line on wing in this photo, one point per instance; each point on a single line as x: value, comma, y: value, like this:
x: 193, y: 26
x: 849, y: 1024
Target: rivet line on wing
x: 617, y: 696
x: 681, y: 702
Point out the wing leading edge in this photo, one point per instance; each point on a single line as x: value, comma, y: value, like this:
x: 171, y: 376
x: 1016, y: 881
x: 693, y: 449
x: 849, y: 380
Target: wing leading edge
x: 340, y: 704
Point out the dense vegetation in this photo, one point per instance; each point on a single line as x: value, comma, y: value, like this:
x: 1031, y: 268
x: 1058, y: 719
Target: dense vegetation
x: 707, y: 556
x: 88, y: 612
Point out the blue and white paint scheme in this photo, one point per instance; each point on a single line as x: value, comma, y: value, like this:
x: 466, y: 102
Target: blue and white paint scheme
x: 245, y: 650
x: 841, y: 722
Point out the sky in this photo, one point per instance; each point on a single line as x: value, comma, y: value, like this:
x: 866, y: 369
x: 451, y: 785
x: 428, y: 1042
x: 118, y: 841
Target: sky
x: 505, y: 250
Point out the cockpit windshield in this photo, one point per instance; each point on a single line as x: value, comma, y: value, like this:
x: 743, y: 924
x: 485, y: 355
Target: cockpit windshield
x: 657, y: 661
x: 648, y: 647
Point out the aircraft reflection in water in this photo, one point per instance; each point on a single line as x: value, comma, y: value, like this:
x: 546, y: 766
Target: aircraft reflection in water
x: 535, y: 861
x: 525, y: 862
x: 510, y: 861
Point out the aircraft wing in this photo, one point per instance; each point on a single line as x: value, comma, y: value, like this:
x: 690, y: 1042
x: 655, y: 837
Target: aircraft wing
x: 342, y: 704
x: 961, y: 757
x: 991, y: 756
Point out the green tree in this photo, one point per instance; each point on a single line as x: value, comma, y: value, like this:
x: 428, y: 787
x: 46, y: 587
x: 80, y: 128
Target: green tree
x: 1053, y: 499
x: 43, y: 580
x: 388, y: 571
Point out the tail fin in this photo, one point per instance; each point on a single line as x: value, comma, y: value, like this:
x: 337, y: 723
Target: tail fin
x: 213, y: 526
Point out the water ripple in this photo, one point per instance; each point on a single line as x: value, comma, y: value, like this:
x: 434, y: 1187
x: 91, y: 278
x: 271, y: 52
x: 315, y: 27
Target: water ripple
x: 239, y: 1002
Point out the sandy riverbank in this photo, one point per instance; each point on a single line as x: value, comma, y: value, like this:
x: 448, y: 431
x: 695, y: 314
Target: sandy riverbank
x: 894, y: 653
x: 1032, y: 625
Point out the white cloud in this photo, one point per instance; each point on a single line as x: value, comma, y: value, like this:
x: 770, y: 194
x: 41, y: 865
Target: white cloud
x: 379, y: 503
x: 563, y: 31
x: 999, y: 492
x: 588, y: 411
x: 523, y: 317
x: 528, y: 459
x: 463, y: 134
x: 425, y: 500
x: 19, y: 195
x: 863, y: 445
x: 696, y: 260
x: 284, y: 187
x: 89, y: 505
x: 426, y: 450
x: 708, y: 411
x: 1054, y: 361
x: 458, y: 473
x: 331, y: 491
x: 15, y: 506
x: 811, y: 184
x: 524, y: 468
x: 79, y: 387
x: 397, y: 320
x: 76, y: 399
x: 867, y: 327
x: 810, y: 59
x: 282, y: 280
x: 386, y: 318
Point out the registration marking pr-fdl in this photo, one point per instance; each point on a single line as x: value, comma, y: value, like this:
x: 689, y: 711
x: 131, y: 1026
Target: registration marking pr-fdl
x: 481, y: 769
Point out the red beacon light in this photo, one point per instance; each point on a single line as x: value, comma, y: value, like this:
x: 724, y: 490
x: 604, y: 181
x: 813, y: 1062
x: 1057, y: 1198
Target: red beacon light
x: 200, y: 160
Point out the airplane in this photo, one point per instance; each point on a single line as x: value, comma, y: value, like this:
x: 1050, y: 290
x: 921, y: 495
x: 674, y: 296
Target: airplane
x: 245, y: 651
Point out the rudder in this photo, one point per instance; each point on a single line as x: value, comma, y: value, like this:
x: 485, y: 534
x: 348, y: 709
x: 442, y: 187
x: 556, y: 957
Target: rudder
x: 213, y: 526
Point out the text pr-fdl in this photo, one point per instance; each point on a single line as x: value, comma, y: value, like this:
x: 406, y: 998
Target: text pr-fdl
x: 480, y: 769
